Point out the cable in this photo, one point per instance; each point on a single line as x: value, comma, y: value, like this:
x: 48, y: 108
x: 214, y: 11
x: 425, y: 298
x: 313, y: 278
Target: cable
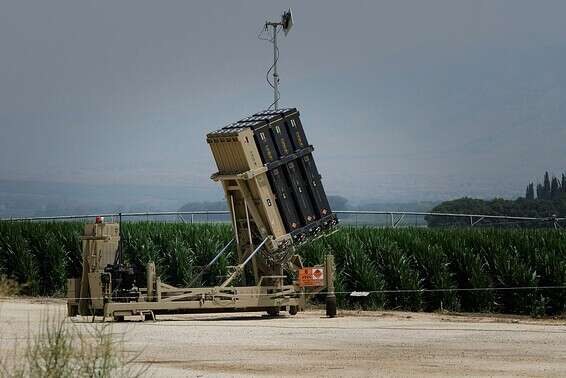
x: 267, y: 76
x: 400, y: 291
x: 271, y: 40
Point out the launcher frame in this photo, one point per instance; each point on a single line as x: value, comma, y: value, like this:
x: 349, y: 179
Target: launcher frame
x: 264, y: 234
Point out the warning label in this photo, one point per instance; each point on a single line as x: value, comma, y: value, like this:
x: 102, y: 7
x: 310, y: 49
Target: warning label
x: 311, y: 277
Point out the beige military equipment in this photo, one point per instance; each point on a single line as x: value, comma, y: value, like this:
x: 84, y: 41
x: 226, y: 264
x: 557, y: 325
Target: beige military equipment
x: 244, y: 180
x: 266, y: 253
x: 93, y: 293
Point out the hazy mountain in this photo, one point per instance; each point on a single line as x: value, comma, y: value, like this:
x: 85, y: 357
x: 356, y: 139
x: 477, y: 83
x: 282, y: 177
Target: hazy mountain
x: 34, y: 198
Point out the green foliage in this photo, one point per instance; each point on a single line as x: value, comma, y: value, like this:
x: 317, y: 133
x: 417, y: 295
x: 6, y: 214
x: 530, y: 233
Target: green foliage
x: 40, y: 256
x: 8, y: 287
x: 470, y: 271
x: 517, y: 208
x: 555, y: 188
x: 178, y: 250
x: 550, y: 201
x: 449, y: 264
x: 361, y: 274
x: 546, y: 194
x: 403, y: 268
x: 530, y: 192
x: 60, y: 349
x: 400, y: 273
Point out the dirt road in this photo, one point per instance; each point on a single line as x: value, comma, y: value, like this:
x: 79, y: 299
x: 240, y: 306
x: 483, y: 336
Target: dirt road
x: 354, y: 344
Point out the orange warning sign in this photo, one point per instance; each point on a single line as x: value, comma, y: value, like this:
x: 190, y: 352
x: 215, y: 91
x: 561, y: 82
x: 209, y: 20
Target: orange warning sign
x: 311, y: 277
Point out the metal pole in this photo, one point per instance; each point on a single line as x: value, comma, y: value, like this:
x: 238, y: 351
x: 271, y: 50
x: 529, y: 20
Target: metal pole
x: 118, y: 257
x: 207, y: 267
x: 240, y: 267
x: 234, y: 220
x: 330, y: 295
x: 275, y: 74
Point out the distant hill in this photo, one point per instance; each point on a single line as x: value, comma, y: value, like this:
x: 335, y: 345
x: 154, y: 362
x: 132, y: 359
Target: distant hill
x: 36, y: 198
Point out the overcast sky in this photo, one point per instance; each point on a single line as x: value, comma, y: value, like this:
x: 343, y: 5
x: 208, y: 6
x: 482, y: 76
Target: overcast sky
x: 402, y: 99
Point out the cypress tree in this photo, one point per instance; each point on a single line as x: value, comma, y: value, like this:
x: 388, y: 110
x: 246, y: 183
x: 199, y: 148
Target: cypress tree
x: 546, y: 186
x: 527, y: 191
x: 530, y: 193
x: 540, y: 192
x: 554, y: 188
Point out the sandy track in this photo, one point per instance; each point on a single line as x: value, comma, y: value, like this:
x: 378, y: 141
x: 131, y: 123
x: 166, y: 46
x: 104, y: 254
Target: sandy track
x: 354, y: 344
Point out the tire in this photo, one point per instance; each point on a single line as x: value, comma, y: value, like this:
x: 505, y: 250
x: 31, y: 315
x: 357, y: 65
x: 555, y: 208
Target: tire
x: 273, y: 311
x: 293, y: 310
x: 72, y: 310
x: 331, y: 306
x: 119, y: 318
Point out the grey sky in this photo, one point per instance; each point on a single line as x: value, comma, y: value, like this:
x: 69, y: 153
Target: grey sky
x: 402, y: 99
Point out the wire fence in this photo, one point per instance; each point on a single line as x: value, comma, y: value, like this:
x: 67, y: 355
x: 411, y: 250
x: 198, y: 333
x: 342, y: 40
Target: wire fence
x: 361, y: 293
x: 355, y: 218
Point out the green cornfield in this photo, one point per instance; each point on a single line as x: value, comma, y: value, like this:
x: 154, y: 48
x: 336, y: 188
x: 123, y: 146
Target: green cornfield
x: 406, y: 269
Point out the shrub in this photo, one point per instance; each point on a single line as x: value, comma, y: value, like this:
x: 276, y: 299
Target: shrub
x: 61, y: 349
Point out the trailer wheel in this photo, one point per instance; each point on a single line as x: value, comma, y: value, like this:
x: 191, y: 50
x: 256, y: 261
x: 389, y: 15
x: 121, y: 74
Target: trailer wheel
x: 119, y: 318
x: 331, y: 306
x: 72, y: 310
x: 273, y: 311
x: 293, y: 310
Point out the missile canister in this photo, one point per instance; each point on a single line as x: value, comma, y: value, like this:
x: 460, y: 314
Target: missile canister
x: 271, y: 147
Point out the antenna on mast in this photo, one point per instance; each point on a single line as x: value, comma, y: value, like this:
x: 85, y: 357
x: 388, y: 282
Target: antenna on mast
x: 286, y: 24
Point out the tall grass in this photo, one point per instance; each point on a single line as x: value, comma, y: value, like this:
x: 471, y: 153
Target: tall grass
x: 8, y: 287
x: 399, y: 262
x: 62, y: 349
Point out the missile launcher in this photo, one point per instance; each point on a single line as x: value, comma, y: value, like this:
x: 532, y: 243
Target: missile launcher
x: 268, y: 154
x: 276, y: 201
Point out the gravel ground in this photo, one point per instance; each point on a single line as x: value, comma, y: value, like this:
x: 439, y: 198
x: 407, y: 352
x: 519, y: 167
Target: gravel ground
x: 353, y: 344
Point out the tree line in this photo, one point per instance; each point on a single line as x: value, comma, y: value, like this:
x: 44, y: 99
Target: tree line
x: 549, y: 189
x: 545, y: 200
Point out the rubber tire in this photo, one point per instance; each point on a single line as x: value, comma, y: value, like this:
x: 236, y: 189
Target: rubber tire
x: 147, y: 317
x: 293, y: 310
x: 72, y: 310
x: 273, y: 312
x: 331, y: 307
x: 119, y: 318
